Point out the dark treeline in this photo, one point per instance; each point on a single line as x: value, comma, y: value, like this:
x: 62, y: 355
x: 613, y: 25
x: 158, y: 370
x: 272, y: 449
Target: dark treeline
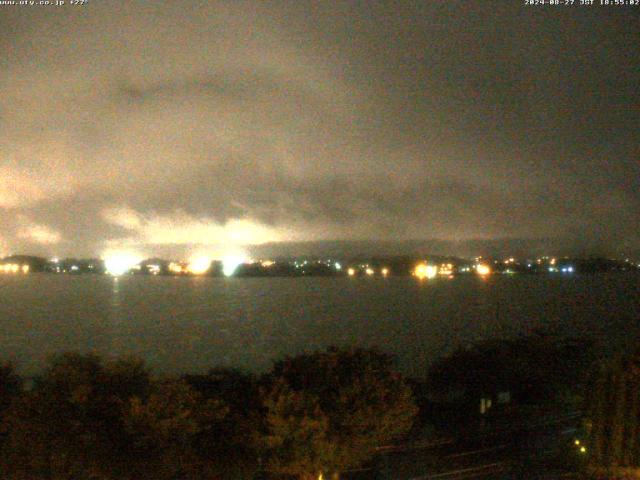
x: 400, y: 265
x: 532, y: 369
x: 85, y: 417
x: 88, y: 418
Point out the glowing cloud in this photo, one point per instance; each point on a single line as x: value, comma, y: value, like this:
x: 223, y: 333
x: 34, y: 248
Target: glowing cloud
x: 180, y: 228
x: 123, y: 217
x: 17, y: 188
x: 40, y: 234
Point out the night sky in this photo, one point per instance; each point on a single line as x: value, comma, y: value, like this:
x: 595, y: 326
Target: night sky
x: 205, y: 127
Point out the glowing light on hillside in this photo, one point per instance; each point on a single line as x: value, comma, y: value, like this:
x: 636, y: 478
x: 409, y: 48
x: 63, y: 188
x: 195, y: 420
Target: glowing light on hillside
x: 369, y: 271
x: 385, y: 272
x: 14, y: 268
x: 231, y: 263
x: 483, y: 269
x: 423, y: 270
x: 351, y: 272
x: 119, y: 263
x: 267, y: 263
x: 199, y: 265
x: 177, y: 268
x: 446, y: 269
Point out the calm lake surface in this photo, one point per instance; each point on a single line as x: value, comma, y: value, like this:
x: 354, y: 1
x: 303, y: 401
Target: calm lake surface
x: 192, y: 324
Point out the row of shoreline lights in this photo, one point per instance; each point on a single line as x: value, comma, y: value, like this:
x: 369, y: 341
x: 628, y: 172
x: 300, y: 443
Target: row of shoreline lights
x: 368, y: 270
x: 117, y: 265
x: 14, y: 268
x: 121, y: 263
x: 424, y: 270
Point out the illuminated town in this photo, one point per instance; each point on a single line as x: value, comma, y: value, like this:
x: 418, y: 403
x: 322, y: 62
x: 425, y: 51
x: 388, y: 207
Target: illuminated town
x: 427, y: 268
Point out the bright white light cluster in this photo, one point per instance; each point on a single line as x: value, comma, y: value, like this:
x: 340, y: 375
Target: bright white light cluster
x: 119, y: 263
x: 231, y: 263
x: 199, y: 265
x: 425, y: 271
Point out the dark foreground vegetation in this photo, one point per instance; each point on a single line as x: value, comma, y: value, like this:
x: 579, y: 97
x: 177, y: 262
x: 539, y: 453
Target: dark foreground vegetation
x: 543, y: 380
x: 86, y: 418
x: 325, y: 413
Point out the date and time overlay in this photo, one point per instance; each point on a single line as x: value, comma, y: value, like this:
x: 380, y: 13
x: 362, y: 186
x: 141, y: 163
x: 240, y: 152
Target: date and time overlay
x: 43, y: 3
x: 531, y: 3
x: 582, y: 3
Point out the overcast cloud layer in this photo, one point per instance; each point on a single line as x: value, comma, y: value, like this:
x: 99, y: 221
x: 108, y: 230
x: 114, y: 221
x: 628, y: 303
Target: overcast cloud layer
x: 171, y: 127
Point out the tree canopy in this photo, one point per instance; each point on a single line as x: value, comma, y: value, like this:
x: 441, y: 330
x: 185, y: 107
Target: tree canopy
x: 532, y: 368
x: 327, y: 411
x: 91, y: 418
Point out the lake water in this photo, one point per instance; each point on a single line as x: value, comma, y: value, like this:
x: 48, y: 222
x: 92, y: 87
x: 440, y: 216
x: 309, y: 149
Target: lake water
x: 181, y: 324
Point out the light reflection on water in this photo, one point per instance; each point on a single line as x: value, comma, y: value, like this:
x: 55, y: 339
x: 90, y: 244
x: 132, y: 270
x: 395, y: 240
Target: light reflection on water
x: 191, y: 324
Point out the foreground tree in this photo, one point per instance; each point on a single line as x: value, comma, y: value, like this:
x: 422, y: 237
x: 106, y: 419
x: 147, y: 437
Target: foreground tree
x: 10, y: 385
x: 163, y: 428
x: 536, y: 368
x: 325, y: 412
x: 613, y: 412
x: 226, y: 444
x: 90, y: 419
x: 70, y: 425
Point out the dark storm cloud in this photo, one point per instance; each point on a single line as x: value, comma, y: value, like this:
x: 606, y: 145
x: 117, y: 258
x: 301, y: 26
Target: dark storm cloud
x: 219, y: 123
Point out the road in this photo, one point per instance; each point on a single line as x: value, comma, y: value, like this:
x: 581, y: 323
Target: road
x: 535, y: 450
